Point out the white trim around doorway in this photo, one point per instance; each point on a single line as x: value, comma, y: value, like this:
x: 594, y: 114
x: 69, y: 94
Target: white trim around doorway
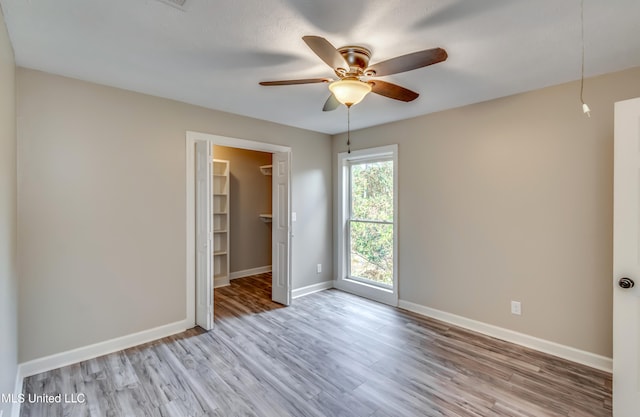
x: 191, y: 138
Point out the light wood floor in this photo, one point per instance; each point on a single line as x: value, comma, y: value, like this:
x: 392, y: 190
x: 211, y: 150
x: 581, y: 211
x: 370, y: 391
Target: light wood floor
x: 329, y: 354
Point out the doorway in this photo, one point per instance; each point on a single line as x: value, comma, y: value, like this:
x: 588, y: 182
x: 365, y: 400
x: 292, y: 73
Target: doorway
x: 242, y: 213
x: 199, y: 214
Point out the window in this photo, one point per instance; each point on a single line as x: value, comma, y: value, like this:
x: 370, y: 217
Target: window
x: 368, y: 223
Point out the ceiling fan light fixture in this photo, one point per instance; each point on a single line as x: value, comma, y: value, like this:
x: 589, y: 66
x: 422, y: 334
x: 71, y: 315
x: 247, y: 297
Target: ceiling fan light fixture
x: 349, y: 91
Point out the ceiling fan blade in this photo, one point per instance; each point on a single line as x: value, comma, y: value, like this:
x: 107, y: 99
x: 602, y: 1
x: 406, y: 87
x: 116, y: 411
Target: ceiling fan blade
x: 331, y: 104
x: 408, y: 62
x: 294, y: 82
x: 392, y: 91
x: 327, y: 52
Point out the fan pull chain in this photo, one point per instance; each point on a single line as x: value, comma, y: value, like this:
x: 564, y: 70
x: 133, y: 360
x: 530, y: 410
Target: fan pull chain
x: 585, y: 108
x: 348, y: 129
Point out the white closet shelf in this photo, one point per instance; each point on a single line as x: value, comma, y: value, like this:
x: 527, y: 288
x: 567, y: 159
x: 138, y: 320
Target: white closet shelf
x: 267, y: 218
x: 266, y: 169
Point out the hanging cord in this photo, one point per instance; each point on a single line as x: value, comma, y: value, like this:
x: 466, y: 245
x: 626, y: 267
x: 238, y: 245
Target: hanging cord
x: 585, y: 107
x: 348, y: 129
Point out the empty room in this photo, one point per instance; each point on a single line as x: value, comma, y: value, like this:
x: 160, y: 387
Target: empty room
x: 319, y: 208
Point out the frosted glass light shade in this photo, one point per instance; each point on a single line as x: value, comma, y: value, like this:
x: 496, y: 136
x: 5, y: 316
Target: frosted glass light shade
x: 349, y: 92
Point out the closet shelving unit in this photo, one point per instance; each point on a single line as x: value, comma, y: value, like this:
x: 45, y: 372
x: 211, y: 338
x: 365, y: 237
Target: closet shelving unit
x: 221, y: 221
x: 266, y: 170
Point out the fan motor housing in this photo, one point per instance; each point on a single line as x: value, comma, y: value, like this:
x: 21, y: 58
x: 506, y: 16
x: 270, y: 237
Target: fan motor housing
x: 357, y: 57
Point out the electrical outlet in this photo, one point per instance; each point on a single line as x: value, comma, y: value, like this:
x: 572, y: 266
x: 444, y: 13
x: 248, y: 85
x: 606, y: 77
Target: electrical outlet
x: 319, y: 268
x: 516, y: 308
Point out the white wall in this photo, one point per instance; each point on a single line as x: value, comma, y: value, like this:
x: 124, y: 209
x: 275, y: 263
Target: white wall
x: 101, y: 231
x: 8, y: 199
x: 511, y: 199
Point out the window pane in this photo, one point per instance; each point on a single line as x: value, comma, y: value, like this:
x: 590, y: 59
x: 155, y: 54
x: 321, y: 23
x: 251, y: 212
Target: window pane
x: 372, y: 191
x: 372, y: 251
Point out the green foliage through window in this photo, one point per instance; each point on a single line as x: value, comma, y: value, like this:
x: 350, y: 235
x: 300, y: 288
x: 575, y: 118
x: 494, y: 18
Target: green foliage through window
x: 372, y: 191
x: 371, y: 224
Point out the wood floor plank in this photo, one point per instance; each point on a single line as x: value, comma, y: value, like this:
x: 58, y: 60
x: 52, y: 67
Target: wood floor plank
x: 329, y: 354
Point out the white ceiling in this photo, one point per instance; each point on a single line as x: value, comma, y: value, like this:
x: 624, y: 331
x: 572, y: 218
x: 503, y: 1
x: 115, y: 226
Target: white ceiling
x: 213, y: 53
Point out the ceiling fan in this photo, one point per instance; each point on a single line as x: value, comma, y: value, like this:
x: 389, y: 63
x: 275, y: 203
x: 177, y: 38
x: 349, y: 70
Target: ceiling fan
x: 356, y: 78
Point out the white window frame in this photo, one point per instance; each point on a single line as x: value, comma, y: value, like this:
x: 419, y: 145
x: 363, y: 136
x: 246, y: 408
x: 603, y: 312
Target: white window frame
x: 343, y: 282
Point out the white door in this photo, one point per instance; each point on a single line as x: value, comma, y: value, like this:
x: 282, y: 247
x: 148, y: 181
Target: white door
x: 204, y: 234
x: 626, y: 260
x: 281, y: 228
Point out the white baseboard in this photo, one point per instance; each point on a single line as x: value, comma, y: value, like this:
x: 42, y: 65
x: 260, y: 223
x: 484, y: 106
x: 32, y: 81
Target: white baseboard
x: 249, y: 272
x: 58, y: 360
x: 220, y: 282
x: 566, y: 352
x: 310, y: 289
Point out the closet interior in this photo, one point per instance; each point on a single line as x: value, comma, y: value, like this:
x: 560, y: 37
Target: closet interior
x: 242, y: 201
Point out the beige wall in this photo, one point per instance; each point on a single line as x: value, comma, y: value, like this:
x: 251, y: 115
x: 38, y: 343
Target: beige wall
x: 499, y: 201
x: 250, y: 195
x: 512, y: 200
x: 101, y: 231
x: 8, y: 236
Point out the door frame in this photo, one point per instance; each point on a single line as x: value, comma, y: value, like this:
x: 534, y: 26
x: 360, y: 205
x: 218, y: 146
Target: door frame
x: 191, y: 138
